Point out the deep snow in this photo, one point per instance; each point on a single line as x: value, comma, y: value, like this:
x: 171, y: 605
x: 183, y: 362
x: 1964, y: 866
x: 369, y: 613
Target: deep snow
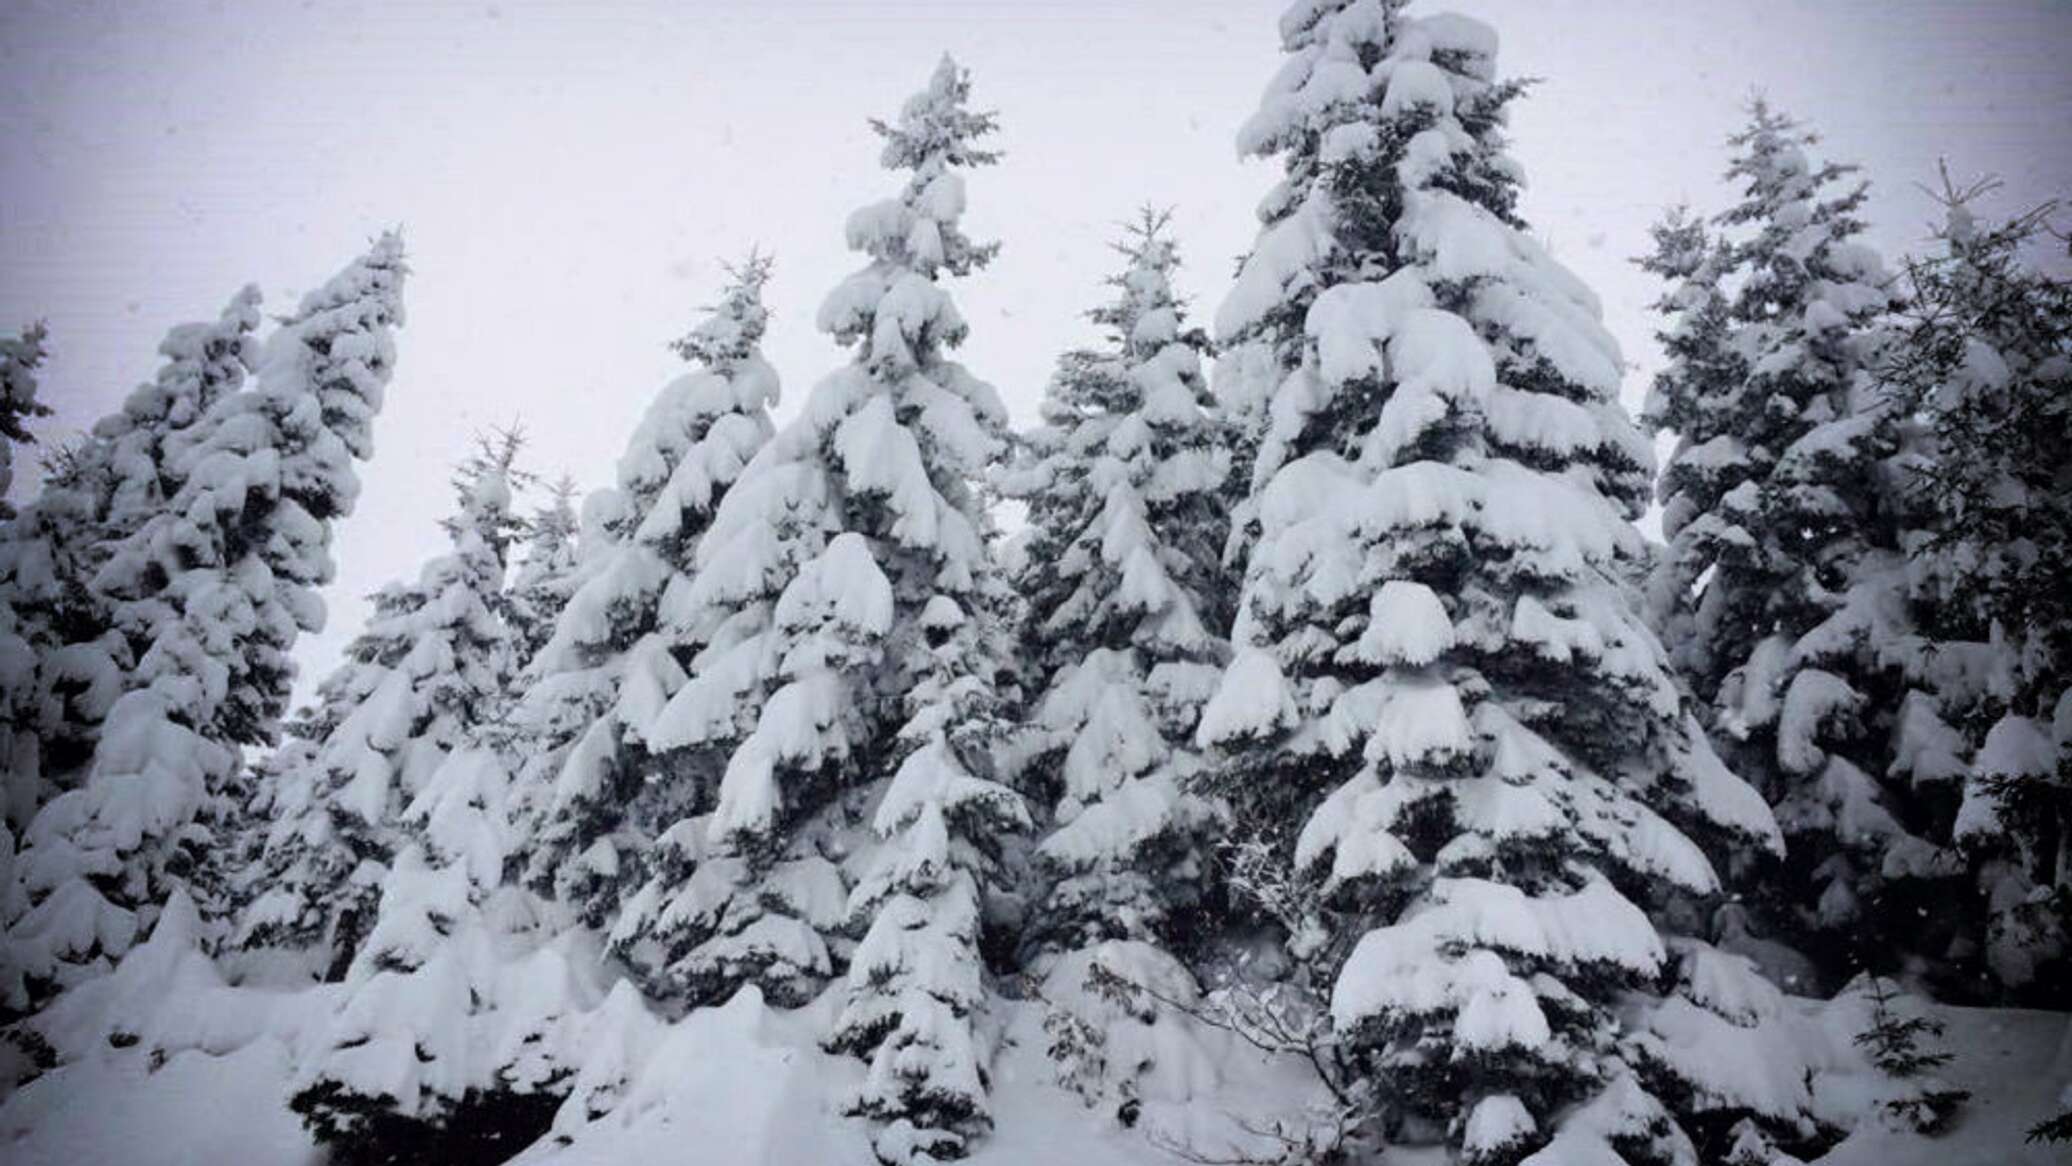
x: 746, y: 1085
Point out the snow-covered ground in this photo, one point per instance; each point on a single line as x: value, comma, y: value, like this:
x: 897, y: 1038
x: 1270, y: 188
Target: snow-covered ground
x: 2017, y: 1065
x: 196, y: 1109
x: 747, y: 1085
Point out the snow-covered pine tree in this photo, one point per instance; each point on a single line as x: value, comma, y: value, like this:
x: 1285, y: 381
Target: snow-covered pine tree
x: 1692, y: 396
x: 545, y: 575
x: 1259, y: 332
x: 1903, y: 1046
x: 103, y: 489
x: 486, y: 485
x: 279, y: 460
x: 598, y: 789
x: 461, y: 1022
x: 1753, y: 368
x: 1444, y: 706
x: 1127, y: 603
x: 1785, y: 589
x: 915, y: 997
x: 129, y: 450
x: 211, y: 593
x: 429, y: 673
x: 1986, y: 355
x: 21, y: 356
x: 855, y: 629
x: 20, y: 642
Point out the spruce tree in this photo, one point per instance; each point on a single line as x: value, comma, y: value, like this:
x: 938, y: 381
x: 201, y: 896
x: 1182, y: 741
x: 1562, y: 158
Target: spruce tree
x: 1127, y: 602
x: 105, y: 488
x: 1259, y: 326
x: 21, y: 721
x: 21, y: 356
x: 430, y: 672
x: 598, y: 789
x: 545, y: 575
x: 855, y: 631
x: 1693, y: 396
x: 211, y: 594
x: 459, y: 1023
x: 1983, y: 356
x: 1785, y: 591
x: 1752, y: 371
x: 203, y: 363
x: 1444, y: 709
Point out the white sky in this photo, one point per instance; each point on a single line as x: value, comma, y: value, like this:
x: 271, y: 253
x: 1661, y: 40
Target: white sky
x: 570, y: 175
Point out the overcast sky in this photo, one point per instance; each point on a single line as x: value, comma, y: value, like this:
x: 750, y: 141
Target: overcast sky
x: 569, y: 176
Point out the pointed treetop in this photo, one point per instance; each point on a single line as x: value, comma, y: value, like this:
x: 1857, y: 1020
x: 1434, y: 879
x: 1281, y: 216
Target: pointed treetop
x: 339, y: 345
x: 374, y: 279
x: 203, y: 361
x: 387, y: 250
x: 488, y: 472
x: 1146, y: 242
x: 194, y: 348
x: 556, y: 521
x: 386, y: 253
x: 1145, y: 286
x: 1304, y: 21
x: 936, y: 129
x: 1770, y: 159
x: 735, y: 325
x: 892, y: 306
x: 242, y: 311
x: 482, y: 485
x: 1959, y: 226
x: 1682, y: 244
x: 20, y: 356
